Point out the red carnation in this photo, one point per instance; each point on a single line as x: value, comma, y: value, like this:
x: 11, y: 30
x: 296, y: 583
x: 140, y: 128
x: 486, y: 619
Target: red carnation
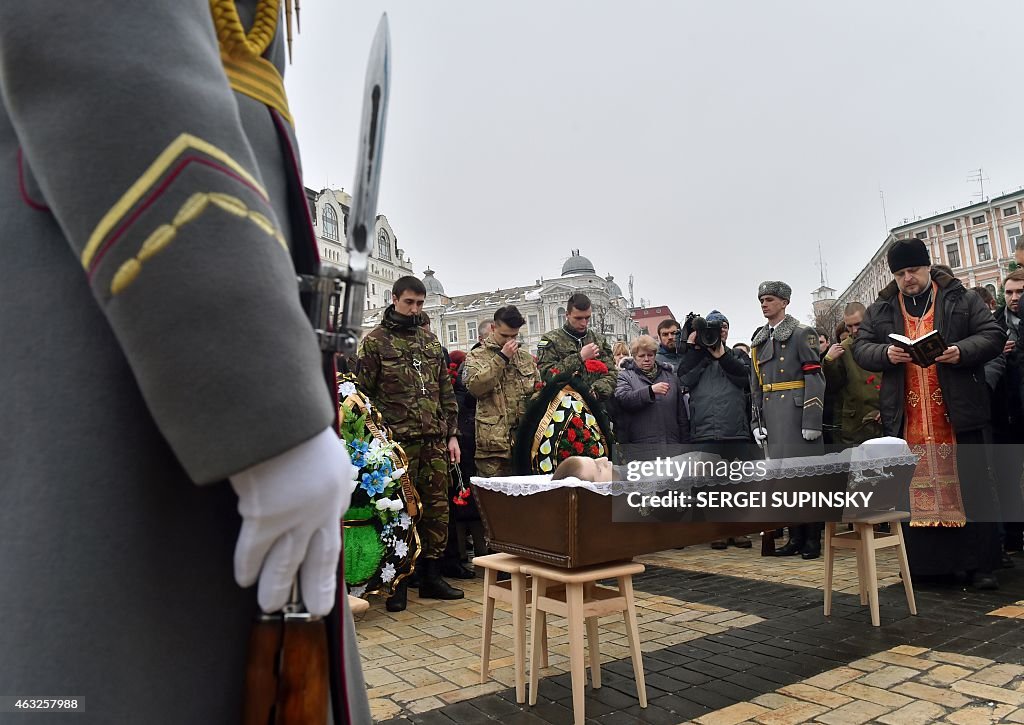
x: 871, y: 379
x: 563, y: 454
x: 571, y: 435
x: 578, y: 447
x: 577, y: 421
x: 538, y: 385
x: 595, y: 366
x: 555, y: 371
x: 878, y: 387
x: 593, y: 450
x: 586, y: 434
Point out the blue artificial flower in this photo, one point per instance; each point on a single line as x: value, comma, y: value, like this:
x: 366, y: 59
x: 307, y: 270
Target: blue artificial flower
x: 372, y: 484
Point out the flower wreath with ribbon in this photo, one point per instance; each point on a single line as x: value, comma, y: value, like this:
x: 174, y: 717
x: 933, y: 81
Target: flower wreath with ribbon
x: 380, y: 540
x: 562, y: 419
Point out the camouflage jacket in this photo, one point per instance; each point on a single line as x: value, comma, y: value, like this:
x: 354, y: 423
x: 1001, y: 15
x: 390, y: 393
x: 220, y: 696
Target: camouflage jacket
x: 402, y: 371
x: 501, y: 387
x: 857, y: 392
x: 558, y: 349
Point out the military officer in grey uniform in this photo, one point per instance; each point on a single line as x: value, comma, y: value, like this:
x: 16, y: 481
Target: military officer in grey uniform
x: 155, y: 346
x: 788, y: 392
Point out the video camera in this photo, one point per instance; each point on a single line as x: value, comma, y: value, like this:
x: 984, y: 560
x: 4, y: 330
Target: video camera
x: 709, y: 334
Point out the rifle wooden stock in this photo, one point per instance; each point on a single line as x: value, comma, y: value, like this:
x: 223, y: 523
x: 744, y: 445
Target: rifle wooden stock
x: 302, y: 689
x: 261, y: 670
x: 286, y: 676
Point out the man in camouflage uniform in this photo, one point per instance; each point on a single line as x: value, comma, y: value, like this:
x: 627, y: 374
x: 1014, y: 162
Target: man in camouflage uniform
x: 788, y: 395
x: 501, y: 377
x: 856, y: 389
x: 402, y: 370
x: 568, y: 348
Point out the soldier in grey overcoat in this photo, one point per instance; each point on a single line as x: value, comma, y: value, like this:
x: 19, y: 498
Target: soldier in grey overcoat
x: 154, y: 345
x: 788, y: 392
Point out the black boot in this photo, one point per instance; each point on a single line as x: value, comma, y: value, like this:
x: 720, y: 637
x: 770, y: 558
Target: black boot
x: 455, y: 569
x: 432, y: 586
x: 397, y: 601
x: 795, y: 545
x: 812, y: 542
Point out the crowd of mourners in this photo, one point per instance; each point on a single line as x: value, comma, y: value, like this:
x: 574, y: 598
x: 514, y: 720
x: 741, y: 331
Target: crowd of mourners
x: 792, y: 391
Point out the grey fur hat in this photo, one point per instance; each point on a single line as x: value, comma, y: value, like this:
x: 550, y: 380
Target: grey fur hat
x: 776, y: 289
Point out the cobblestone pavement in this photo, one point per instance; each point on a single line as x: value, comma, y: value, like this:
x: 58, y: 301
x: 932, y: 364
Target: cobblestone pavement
x: 728, y: 637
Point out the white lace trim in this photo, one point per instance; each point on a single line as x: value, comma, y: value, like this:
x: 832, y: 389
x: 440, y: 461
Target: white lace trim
x: 864, y: 464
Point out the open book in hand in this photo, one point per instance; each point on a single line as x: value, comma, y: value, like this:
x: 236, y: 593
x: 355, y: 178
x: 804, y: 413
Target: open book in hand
x: 924, y: 349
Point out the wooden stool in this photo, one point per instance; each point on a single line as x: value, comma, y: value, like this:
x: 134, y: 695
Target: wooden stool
x: 513, y: 593
x: 358, y: 605
x: 583, y: 601
x: 865, y: 540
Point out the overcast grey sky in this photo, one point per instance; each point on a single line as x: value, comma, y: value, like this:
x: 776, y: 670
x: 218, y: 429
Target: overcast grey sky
x: 702, y: 147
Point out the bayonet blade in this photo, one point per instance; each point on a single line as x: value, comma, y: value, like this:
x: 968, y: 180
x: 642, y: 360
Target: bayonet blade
x: 363, y: 216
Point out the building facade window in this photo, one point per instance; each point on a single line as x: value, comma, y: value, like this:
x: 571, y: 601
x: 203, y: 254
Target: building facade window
x: 330, y: 222
x: 953, y: 255
x: 1012, y: 235
x: 991, y: 288
x: 947, y: 228
x: 922, y: 235
x: 980, y: 219
x: 383, y: 245
x: 471, y: 329
x: 1010, y: 211
x: 984, y: 248
x: 531, y: 325
x: 453, y: 333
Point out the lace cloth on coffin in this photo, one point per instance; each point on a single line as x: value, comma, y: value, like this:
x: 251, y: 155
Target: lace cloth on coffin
x: 865, y: 463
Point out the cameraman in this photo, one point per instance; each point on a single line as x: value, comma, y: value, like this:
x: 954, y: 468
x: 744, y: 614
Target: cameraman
x: 718, y: 382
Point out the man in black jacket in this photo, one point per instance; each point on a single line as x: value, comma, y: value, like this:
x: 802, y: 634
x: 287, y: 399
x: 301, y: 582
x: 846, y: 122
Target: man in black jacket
x: 1008, y: 413
x: 939, y: 410
x: 718, y: 382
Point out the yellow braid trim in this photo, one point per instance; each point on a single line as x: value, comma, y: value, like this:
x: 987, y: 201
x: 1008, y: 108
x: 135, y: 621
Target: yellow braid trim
x: 191, y: 210
x: 233, y: 39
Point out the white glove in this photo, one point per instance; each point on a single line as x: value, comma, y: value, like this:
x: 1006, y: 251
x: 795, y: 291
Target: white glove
x: 760, y: 435
x: 291, y: 508
x: 811, y: 435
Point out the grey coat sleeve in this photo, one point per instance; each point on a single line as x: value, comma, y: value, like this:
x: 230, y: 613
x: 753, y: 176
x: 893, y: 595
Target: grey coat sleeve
x: 630, y: 396
x: 131, y: 141
x: 814, y: 381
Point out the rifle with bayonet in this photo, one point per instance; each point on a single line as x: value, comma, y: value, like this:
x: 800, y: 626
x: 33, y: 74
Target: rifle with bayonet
x: 767, y: 537
x: 295, y: 660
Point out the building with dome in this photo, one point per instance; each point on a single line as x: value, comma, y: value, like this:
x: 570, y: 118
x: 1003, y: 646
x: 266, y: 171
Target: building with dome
x: 454, y: 319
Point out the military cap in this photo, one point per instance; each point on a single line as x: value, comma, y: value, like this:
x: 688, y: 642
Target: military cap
x: 775, y: 289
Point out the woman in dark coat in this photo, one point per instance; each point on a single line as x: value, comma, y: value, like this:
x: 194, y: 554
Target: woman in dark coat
x: 652, y: 414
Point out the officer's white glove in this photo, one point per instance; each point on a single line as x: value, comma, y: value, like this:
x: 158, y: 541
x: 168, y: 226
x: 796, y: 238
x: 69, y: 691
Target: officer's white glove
x: 811, y: 435
x: 760, y: 435
x: 291, y: 508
